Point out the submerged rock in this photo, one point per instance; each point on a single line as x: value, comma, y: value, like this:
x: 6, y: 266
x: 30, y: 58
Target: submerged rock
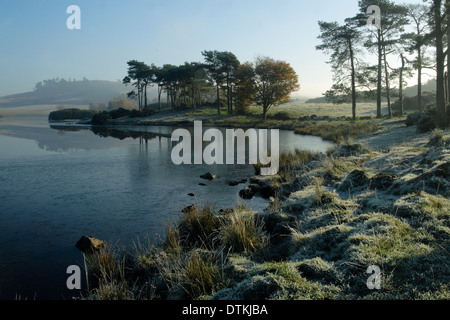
x: 208, y: 176
x: 236, y: 182
x: 88, y: 244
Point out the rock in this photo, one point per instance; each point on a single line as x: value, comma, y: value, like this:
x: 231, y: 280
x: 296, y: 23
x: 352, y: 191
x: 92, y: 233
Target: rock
x: 383, y: 180
x: 191, y: 194
x: 88, y: 244
x: 208, y: 176
x: 264, y: 191
x: 225, y: 211
x: 355, y: 179
x: 246, y: 193
x: 189, y: 209
x: 236, y: 182
x: 202, y: 184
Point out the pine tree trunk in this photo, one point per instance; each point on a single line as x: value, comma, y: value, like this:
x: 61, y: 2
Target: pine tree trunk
x: 386, y: 74
x: 353, y: 81
x: 145, y: 103
x: 218, y: 100
x: 159, y: 96
x: 440, y: 94
x: 400, y: 90
x: 419, y: 78
x: 379, y: 114
x: 447, y: 103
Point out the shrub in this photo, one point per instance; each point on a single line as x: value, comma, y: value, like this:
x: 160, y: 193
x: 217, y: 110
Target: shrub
x: 146, y: 112
x: 282, y: 115
x: 425, y: 124
x: 241, y: 109
x: 100, y: 119
x: 120, y: 104
x: 119, y: 113
x: 413, y: 118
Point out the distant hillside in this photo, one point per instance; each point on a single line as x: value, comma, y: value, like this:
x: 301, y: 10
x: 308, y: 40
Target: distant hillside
x: 429, y: 87
x: 61, y: 91
x: 317, y: 100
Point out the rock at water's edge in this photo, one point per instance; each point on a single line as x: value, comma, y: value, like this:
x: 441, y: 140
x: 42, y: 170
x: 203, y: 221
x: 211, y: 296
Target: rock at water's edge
x: 208, y: 176
x: 88, y: 244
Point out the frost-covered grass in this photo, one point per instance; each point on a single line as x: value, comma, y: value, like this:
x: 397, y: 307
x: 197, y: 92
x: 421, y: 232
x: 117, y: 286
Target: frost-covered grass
x: 316, y: 240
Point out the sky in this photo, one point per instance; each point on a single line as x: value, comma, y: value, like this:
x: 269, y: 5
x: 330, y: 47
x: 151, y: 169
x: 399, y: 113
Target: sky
x: 36, y: 44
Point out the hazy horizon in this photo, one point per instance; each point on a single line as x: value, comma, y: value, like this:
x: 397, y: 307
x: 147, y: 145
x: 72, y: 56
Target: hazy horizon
x: 37, y: 44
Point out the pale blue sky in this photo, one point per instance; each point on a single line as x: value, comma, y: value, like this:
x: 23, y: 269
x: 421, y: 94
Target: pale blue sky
x: 35, y: 43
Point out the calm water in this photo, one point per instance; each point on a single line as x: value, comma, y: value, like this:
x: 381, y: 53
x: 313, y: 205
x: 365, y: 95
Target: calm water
x: 57, y: 185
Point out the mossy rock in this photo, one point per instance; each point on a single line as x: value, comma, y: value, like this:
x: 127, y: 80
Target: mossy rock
x: 383, y: 180
x: 351, y: 149
x: 318, y: 269
x: 355, y: 179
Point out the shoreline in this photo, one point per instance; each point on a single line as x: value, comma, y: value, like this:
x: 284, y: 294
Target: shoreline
x: 307, y: 242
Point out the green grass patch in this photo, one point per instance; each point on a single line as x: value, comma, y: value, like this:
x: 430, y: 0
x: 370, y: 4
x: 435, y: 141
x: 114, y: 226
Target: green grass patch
x: 338, y: 133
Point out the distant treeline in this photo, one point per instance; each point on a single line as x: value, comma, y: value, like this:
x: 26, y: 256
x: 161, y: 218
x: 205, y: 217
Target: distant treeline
x: 98, y: 118
x: 70, y: 114
x: 221, y: 78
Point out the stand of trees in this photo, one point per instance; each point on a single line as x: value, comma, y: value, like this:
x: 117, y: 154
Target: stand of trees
x: 410, y: 37
x: 221, y: 80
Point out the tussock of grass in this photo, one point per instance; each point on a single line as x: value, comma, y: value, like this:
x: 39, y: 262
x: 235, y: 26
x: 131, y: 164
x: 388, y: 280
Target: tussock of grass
x: 198, y: 225
x: 105, y: 265
x: 291, y: 162
x: 242, y: 233
x: 337, y: 167
x: 106, y: 272
x: 201, y: 275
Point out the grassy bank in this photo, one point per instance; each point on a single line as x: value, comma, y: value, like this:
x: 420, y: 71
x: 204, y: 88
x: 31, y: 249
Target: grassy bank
x: 333, y: 215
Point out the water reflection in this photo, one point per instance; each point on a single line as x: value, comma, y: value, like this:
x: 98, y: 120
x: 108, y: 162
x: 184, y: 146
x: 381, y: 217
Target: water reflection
x: 113, y: 183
